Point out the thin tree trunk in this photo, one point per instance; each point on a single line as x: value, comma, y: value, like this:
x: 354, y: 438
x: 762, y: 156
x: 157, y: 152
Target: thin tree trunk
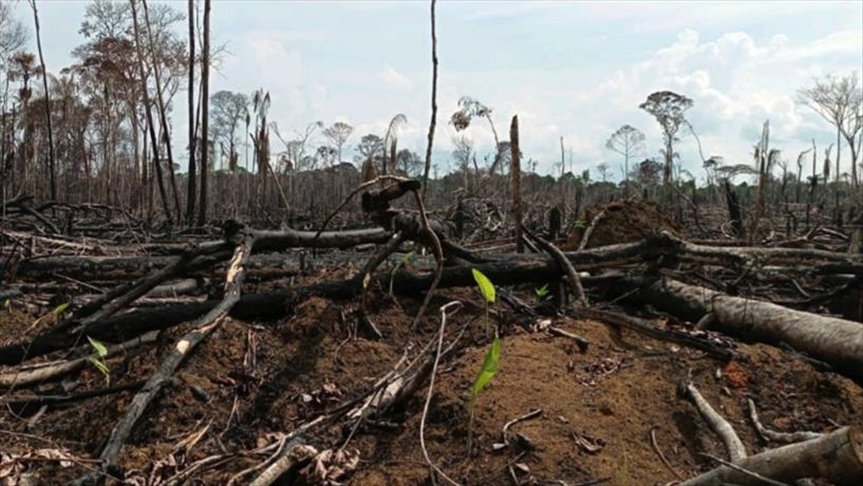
x: 47, y: 103
x: 515, y: 156
x: 149, y: 114
x: 434, y: 100
x: 191, y: 189
x: 838, y: 151
x: 161, y: 105
x: 205, y: 101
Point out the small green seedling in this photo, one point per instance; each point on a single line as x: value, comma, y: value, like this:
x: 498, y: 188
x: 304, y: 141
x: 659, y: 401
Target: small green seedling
x: 486, y: 373
x: 60, y: 309
x: 579, y: 224
x: 99, y: 362
x: 487, y: 290
x: 405, y: 259
x: 541, y: 293
x: 492, y: 358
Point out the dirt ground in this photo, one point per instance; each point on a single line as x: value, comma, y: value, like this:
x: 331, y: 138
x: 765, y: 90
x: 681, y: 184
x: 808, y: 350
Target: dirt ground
x: 621, y: 222
x: 250, y: 382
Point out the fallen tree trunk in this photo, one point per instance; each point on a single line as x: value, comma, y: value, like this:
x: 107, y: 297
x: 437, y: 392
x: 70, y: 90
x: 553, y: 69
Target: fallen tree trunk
x: 275, y: 305
x: 829, y: 339
x: 836, y: 457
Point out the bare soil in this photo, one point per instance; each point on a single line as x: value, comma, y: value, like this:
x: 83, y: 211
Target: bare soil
x: 252, y: 381
x: 623, y: 222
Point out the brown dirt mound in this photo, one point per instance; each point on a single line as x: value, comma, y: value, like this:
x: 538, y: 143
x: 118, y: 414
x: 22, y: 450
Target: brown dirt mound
x: 598, y: 408
x: 623, y: 222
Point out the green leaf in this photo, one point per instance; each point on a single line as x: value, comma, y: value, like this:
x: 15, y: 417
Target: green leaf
x: 542, y: 291
x: 60, y: 308
x: 489, y: 367
x: 405, y: 259
x: 485, y: 285
x: 101, y: 366
x: 579, y: 224
x: 100, y: 348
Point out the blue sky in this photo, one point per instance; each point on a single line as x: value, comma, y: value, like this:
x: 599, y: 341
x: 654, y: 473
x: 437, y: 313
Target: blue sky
x: 573, y: 69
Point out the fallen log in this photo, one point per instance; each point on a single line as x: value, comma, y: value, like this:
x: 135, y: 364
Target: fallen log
x: 92, y: 267
x: 276, y: 304
x: 836, y: 457
x: 835, y: 341
x: 203, y: 328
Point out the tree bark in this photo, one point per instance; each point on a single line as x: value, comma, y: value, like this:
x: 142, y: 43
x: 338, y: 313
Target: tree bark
x: 205, y: 102
x: 835, y: 341
x: 515, y: 155
x: 191, y: 193
x: 149, y: 114
x: 51, y: 167
x: 433, y: 100
x: 166, y: 132
x: 836, y: 457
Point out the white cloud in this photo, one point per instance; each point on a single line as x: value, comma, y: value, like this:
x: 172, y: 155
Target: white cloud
x: 395, y: 79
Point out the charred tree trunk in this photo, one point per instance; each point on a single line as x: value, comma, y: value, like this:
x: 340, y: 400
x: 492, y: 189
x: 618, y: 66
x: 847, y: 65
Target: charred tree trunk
x: 433, y: 101
x: 166, y: 133
x: 51, y: 167
x: 734, y: 213
x: 191, y: 193
x: 149, y: 113
x: 515, y: 156
x: 205, y: 103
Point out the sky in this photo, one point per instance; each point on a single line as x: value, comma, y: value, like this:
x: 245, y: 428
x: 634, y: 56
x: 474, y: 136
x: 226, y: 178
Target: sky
x: 577, y: 70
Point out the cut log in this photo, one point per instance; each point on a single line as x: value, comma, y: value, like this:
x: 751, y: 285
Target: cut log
x: 836, y: 457
x: 829, y: 339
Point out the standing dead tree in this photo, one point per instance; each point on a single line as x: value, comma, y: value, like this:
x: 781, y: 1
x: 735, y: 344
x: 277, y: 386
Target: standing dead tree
x: 51, y: 167
x: 839, y: 101
x: 191, y: 193
x: 149, y: 114
x: 205, y: 107
x: 626, y: 141
x: 160, y: 104
x: 338, y: 134
x: 516, y: 182
x: 433, y: 121
x: 668, y: 108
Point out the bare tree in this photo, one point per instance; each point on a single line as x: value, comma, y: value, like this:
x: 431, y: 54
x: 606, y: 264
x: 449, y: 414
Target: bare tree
x: 338, y: 134
x: 295, y: 149
x: 516, y: 183
x: 433, y: 121
x: 370, y: 147
x: 668, y: 108
x: 840, y: 102
x: 628, y: 142
x: 469, y: 108
x: 160, y: 104
x: 604, y: 171
x: 205, y: 122
x: 391, y: 140
x: 150, y: 123
x: 13, y: 34
x: 191, y: 193
x: 228, y: 111
x: 51, y: 168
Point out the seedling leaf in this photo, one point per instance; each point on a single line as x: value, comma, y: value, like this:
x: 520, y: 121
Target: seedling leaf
x: 542, y: 291
x: 100, y: 365
x: 60, y: 308
x: 485, y: 285
x: 489, y: 367
x: 100, y: 348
